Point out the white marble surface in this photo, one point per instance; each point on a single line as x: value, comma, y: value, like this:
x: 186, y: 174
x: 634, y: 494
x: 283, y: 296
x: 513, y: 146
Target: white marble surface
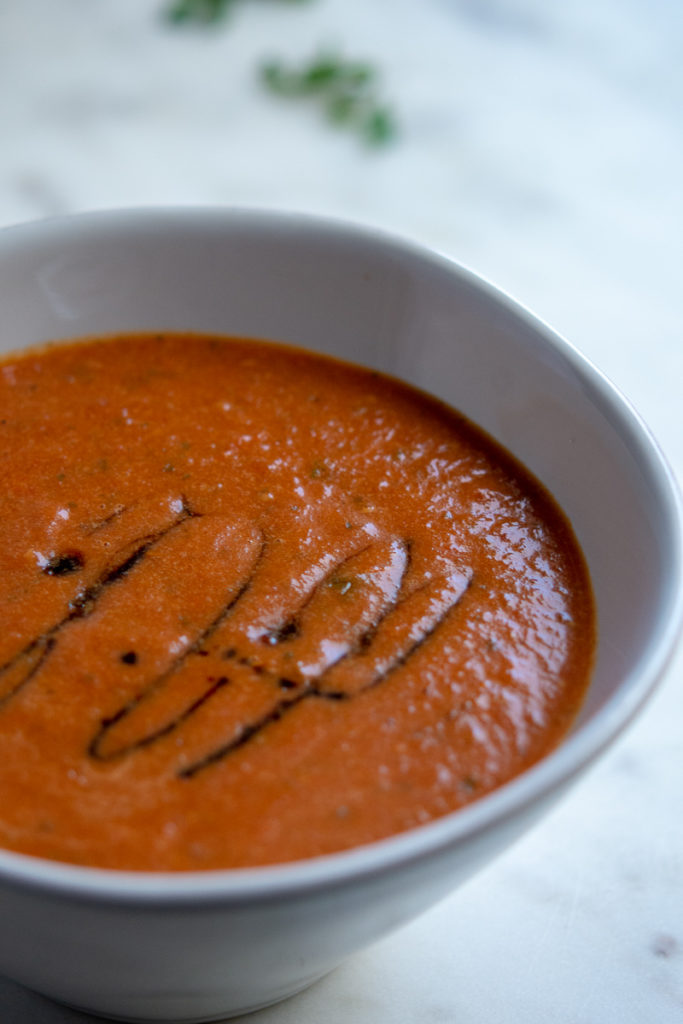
x: 541, y: 144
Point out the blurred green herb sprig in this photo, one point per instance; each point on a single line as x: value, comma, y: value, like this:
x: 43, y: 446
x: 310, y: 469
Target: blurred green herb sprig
x: 347, y: 90
x: 203, y: 12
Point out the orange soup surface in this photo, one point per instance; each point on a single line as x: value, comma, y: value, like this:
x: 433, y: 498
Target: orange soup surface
x: 259, y: 605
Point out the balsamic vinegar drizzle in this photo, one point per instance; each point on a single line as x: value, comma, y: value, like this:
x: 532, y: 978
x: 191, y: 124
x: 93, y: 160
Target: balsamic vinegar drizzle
x: 23, y: 666
x: 291, y: 626
x: 247, y: 733
x: 295, y: 692
x: 316, y: 688
x: 96, y: 746
x: 105, y: 747
x: 67, y: 562
x: 420, y: 612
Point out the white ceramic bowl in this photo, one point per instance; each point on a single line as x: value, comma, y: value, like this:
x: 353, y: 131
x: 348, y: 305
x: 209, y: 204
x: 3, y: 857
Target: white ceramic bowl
x: 202, y: 945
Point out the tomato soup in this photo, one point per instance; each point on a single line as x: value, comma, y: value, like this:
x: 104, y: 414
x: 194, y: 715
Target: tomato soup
x: 260, y: 605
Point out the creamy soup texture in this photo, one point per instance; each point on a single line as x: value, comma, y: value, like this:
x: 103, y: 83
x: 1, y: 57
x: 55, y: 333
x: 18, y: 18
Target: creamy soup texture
x: 259, y: 605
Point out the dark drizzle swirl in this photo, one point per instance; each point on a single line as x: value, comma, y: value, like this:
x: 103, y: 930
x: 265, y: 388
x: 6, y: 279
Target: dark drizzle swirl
x: 364, y: 649
x: 95, y: 748
x: 26, y: 663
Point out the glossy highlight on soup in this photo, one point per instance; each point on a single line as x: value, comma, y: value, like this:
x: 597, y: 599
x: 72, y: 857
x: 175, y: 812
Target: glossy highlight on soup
x: 261, y: 605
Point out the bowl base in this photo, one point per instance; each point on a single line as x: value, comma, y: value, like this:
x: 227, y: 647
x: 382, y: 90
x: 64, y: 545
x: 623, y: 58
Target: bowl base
x: 163, y: 1014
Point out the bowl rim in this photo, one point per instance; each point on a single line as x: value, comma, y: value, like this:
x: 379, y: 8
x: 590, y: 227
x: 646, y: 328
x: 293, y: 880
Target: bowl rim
x: 238, y: 886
